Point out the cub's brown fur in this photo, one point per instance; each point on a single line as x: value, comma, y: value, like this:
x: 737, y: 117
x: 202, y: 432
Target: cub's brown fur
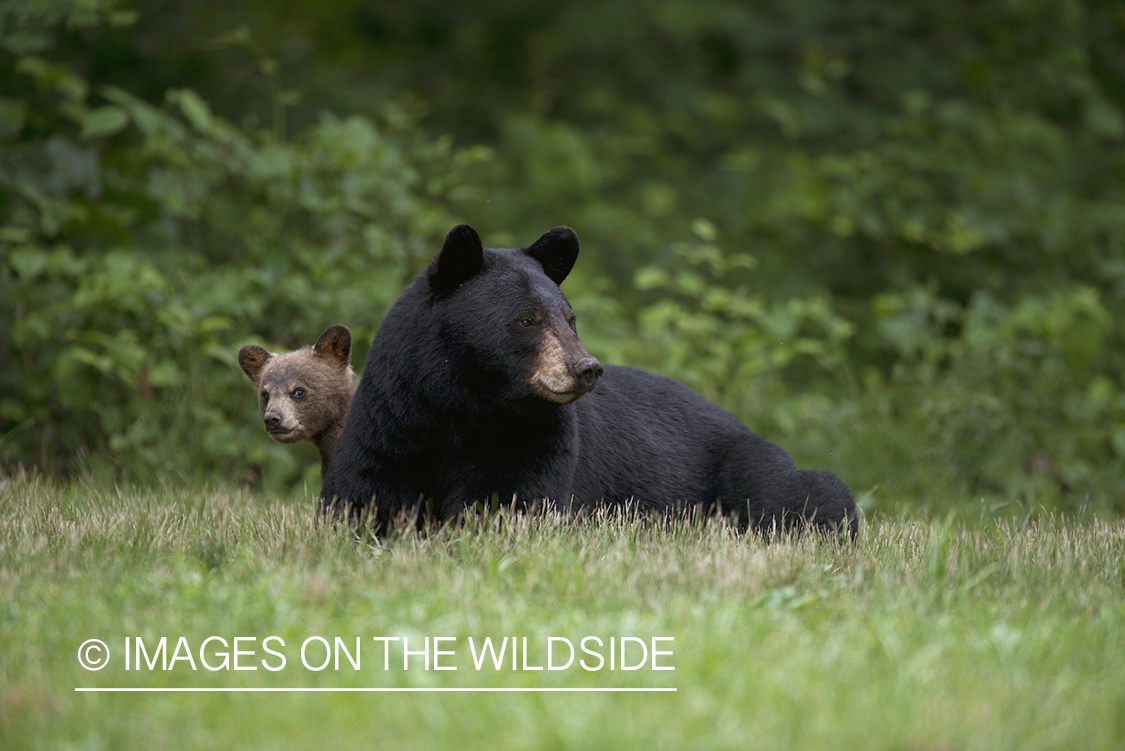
x: 305, y: 394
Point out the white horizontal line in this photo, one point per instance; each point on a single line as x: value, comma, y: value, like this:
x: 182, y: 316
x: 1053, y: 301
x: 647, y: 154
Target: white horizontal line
x: 377, y: 690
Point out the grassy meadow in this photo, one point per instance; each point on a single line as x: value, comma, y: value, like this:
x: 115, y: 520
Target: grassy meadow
x: 927, y: 635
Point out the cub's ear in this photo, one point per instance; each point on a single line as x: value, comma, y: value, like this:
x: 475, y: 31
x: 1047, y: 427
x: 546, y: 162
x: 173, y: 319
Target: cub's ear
x: 335, y: 345
x: 557, y: 251
x: 459, y: 261
x: 253, y: 358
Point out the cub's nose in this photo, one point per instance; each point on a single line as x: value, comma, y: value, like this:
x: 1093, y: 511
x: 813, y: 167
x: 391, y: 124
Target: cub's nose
x: 272, y: 420
x: 587, y: 372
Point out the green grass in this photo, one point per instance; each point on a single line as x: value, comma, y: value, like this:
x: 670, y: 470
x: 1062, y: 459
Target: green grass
x: 922, y: 635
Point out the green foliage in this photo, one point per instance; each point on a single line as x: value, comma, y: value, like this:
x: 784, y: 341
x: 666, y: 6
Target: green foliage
x: 888, y: 236
x: 1016, y: 403
x: 142, y: 243
x: 931, y: 191
x: 706, y: 328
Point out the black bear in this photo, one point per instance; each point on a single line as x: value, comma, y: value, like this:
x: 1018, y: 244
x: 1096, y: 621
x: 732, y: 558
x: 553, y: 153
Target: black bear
x: 304, y: 395
x: 476, y: 385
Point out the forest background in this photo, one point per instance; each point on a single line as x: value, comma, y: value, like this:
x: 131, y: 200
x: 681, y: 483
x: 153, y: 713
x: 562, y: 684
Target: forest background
x: 888, y: 236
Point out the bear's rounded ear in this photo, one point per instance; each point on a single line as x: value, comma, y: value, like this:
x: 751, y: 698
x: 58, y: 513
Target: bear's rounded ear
x: 557, y: 251
x: 253, y: 358
x: 459, y: 261
x: 335, y: 345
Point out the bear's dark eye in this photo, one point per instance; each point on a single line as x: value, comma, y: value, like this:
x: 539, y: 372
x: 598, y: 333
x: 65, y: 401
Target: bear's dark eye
x: 265, y: 395
x: 298, y: 393
x: 527, y: 322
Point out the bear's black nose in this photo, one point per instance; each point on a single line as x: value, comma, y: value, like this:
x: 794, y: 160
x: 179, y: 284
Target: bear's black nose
x: 272, y: 420
x: 587, y: 372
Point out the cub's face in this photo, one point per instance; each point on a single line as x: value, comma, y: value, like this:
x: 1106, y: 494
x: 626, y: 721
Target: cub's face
x: 288, y: 412
x: 302, y: 393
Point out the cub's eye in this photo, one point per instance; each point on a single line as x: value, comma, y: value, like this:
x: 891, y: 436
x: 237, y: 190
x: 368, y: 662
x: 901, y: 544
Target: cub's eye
x: 527, y: 323
x: 298, y: 393
x: 265, y: 396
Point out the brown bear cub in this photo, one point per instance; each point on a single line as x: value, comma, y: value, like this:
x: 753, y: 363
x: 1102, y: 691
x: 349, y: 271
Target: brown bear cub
x: 305, y: 394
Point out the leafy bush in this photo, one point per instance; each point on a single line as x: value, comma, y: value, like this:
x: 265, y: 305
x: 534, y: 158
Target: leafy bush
x: 887, y: 236
x: 141, y: 244
x: 1016, y: 406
